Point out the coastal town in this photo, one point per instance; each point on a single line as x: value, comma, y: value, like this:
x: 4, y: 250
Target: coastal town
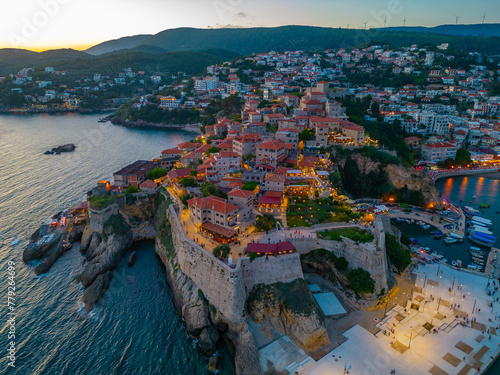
x: 284, y: 209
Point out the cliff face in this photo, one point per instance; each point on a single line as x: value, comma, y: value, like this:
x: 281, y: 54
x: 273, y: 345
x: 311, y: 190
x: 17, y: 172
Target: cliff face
x: 202, y: 319
x: 399, y: 177
x: 290, y: 309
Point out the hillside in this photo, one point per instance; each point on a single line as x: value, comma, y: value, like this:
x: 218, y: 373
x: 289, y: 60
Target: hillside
x: 481, y: 29
x: 83, y: 63
x: 127, y: 42
x: 291, y: 38
x: 12, y: 60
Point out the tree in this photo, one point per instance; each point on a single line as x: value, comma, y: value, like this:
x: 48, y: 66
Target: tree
x: 212, y: 150
x: 307, y: 135
x: 188, y: 182
x: 209, y: 188
x: 360, y: 281
x: 156, y: 173
x: 185, y: 198
x: 221, y: 251
x: 463, y: 157
x: 131, y: 189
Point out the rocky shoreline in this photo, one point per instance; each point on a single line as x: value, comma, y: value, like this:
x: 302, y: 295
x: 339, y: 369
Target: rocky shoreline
x: 146, y: 218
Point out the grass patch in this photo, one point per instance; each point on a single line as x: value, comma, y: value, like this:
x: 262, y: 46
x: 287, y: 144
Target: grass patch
x: 355, y: 234
x: 306, y: 212
x: 100, y: 202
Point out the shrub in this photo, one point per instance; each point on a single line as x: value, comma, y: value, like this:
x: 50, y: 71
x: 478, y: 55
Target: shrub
x: 360, y: 281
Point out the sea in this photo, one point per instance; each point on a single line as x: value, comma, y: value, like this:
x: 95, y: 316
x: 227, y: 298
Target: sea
x: 134, y: 329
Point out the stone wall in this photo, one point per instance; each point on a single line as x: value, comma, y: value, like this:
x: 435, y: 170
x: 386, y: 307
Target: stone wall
x: 98, y: 218
x: 224, y: 287
x: 369, y: 256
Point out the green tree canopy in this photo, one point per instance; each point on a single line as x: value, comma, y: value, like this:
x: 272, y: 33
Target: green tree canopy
x: 156, y: 173
x: 221, y: 251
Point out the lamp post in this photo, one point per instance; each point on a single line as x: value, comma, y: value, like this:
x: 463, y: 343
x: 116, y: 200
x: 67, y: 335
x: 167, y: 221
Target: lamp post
x: 411, y: 336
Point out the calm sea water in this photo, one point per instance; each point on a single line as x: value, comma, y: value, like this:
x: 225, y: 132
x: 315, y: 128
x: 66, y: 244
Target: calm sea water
x: 134, y: 329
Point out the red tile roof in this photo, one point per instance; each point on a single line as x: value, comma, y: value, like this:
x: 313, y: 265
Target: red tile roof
x: 212, y: 203
x: 273, y: 248
x: 240, y: 193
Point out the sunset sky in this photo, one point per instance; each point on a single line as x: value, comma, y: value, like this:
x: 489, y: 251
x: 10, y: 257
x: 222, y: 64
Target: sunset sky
x: 44, y: 24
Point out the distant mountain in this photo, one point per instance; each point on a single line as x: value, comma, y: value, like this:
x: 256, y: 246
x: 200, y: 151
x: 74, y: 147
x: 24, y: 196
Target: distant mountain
x: 481, y: 29
x: 128, y: 42
x: 12, y: 60
x: 291, y: 38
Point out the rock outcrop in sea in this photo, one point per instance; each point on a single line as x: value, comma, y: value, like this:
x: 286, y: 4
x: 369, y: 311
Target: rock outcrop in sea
x: 64, y: 148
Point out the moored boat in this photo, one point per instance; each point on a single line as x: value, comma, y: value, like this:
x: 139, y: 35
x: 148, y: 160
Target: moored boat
x: 449, y: 240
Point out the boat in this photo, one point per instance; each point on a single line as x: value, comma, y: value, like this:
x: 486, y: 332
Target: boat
x: 456, y: 237
x: 474, y: 248
x: 437, y: 255
x: 426, y: 226
x: 15, y: 241
x: 473, y: 267
x: 444, y: 260
x: 482, y: 238
x: 479, y: 219
x: 477, y: 228
x: 484, y: 205
x: 449, y: 240
x: 473, y: 197
x: 102, y: 120
x: 478, y: 261
x: 438, y: 235
x: 471, y: 210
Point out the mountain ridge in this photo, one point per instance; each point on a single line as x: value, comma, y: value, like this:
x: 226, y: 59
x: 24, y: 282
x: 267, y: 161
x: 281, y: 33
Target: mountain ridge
x: 292, y: 37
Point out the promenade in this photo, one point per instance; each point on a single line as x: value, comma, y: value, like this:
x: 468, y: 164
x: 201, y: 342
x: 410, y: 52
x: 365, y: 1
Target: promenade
x: 448, y: 325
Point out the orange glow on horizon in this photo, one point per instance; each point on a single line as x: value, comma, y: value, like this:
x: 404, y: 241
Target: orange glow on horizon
x: 78, y: 47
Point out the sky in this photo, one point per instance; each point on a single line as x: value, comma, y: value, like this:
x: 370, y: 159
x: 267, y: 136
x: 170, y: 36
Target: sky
x: 48, y: 24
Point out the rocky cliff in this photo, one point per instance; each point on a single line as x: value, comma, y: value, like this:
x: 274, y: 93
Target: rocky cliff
x: 291, y: 309
x: 202, y: 319
x: 399, y: 177
x: 104, y: 251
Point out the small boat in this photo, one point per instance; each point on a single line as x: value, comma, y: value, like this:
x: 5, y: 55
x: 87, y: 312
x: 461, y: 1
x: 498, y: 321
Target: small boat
x: 426, y: 226
x: 102, y: 120
x: 15, y: 241
x: 445, y: 260
x: 437, y: 255
x: 473, y: 267
x: 473, y: 197
x: 484, y: 205
x: 449, y: 240
x: 438, y: 235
